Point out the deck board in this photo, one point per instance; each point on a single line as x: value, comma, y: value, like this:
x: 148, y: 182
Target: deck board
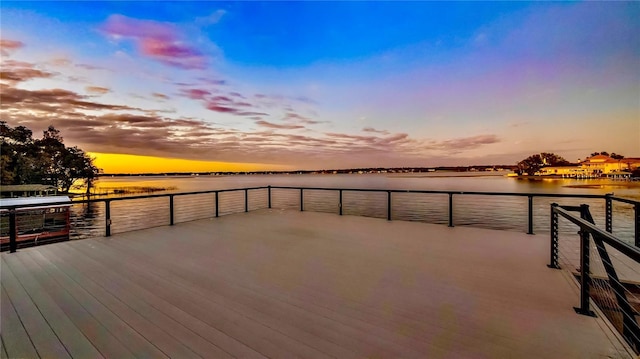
x: 44, y: 339
x: 158, y: 336
x: 123, y: 333
x: 73, y: 339
x: 243, y: 327
x: 107, y: 344
x: 18, y: 343
x: 297, y: 284
x: 288, y: 319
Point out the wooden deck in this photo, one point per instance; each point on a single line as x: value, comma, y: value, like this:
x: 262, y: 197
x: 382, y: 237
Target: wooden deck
x: 284, y: 284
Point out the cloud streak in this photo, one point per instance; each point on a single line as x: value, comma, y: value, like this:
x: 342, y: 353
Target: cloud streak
x: 97, y: 90
x: 278, y: 126
x: 159, y: 41
x: 18, y: 71
x: 9, y: 46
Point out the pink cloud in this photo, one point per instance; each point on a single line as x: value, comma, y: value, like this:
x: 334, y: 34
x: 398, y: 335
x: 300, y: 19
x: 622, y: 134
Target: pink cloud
x: 371, y: 129
x: 196, y: 94
x: 119, y: 25
x: 278, y: 126
x: 7, y: 46
x: 159, y: 41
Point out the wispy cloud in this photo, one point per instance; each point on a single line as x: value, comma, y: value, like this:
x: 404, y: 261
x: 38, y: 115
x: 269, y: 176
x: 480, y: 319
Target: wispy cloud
x: 160, y: 96
x: 196, y: 94
x: 18, y: 71
x: 98, y: 90
x: 159, y: 41
x: 464, y: 143
x: 278, y: 126
x: 50, y: 101
x: 297, y: 118
x: 371, y: 129
x: 8, y: 46
x: 211, y: 19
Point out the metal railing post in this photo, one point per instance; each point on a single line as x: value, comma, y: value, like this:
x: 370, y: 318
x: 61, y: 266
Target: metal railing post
x: 301, y: 200
x: 636, y: 215
x: 246, y: 200
x: 340, y: 201
x: 269, y: 195
x: 171, y: 210
x: 388, y: 205
x: 608, y: 212
x: 13, y: 231
x: 553, y: 261
x: 217, y: 206
x: 450, y: 209
x: 107, y: 218
x: 530, y: 231
x: 584, y: 270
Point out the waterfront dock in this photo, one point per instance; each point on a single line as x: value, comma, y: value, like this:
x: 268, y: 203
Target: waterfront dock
x: 283, y: 284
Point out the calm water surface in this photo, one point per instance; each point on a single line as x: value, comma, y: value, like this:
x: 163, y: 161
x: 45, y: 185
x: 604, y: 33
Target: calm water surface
x: 508, y: 213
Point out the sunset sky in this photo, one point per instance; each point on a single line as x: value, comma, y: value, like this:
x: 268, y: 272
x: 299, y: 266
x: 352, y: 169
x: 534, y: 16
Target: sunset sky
x: 322, y: 85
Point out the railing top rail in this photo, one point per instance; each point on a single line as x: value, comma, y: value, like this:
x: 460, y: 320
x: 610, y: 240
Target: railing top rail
x: 96, y: 200
x: 624, y: 248
x: 523, y: 194
x: 625, y: 200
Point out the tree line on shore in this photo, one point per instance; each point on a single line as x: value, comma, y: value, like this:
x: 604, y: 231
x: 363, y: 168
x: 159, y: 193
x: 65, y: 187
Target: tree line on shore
x: 25, y: 160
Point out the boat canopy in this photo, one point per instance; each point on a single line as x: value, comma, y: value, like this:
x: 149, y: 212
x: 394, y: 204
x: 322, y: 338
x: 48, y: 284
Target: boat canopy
x: 27, y: 201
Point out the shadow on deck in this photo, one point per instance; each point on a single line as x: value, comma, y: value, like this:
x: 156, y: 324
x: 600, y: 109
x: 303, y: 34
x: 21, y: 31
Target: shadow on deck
x: 284, y: 284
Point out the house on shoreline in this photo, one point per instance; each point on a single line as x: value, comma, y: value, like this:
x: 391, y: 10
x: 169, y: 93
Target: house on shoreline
x: 27, y: 190
x: 605, y: 165
x: 594, y: 166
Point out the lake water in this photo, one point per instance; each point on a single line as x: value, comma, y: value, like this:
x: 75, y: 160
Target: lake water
x: 507, y: 213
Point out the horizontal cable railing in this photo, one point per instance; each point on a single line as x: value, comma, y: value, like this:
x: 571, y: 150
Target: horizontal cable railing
x: 495, y: 210
x: 608, y: 269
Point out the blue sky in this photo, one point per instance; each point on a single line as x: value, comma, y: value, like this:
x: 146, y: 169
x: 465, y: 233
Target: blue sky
x: 327, y: 84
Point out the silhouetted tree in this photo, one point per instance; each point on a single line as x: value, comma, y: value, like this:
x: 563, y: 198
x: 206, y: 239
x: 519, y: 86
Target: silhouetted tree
x: 534, y: 163
x: 46, y: 161
x: 605, y: 153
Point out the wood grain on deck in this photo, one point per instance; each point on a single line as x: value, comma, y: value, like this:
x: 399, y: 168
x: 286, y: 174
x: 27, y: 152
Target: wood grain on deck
x: 284, y: 284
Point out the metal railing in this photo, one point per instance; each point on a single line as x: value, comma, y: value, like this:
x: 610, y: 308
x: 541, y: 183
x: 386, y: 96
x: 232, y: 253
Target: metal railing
x: 343, y: 205
x: 620, y: 310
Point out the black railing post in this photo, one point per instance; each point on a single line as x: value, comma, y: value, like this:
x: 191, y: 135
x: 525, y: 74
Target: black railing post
x: 450, y: 209
x: 388, y: 205
x: 530, y: 231
x: 553, y: 262
x: 246, y: 200
x: 584, y: 270
x: 171, y: 210
x: 107, y: 218
x: 636, y: 215
x: 269, y: 195
x: 217, y: 206
x: 608, y: 212
x: 13, y: 231
x: 301, y: 200
x: 340, y: 201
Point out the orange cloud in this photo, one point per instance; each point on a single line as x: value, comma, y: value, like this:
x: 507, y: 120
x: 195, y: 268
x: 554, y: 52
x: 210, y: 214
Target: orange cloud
x: 121, y: 163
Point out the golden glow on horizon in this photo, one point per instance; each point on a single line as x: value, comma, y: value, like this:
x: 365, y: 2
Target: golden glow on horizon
x: 119, y: 163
